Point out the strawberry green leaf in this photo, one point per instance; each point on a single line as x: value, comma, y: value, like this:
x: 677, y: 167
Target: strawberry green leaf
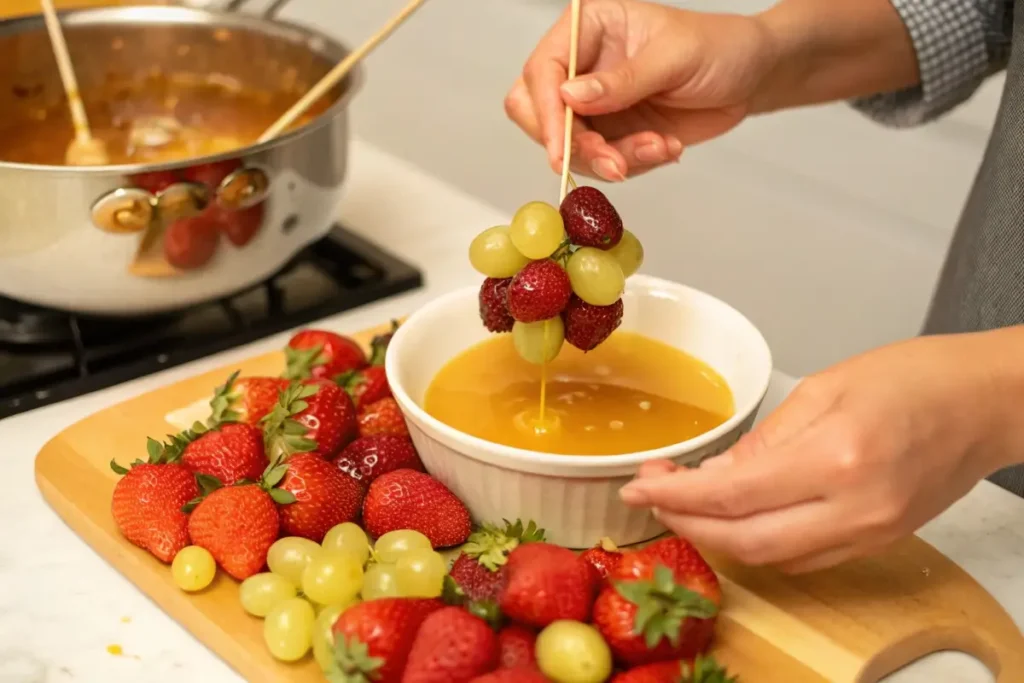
x: 117, y: 468
x: 282, y: 497
x: 221, y: 404
x: 283, y: 435
x: 191, y: 505
x: 155, y: 449
x: 662, y: 606
x: 354, y: 662
x: 208, y: 484
x: 451, y: 592
x: 705, y: 670
x: 488, y: 611
x: 299, y: 363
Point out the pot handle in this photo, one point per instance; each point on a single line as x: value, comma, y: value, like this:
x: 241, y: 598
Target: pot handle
x: 269, y: 12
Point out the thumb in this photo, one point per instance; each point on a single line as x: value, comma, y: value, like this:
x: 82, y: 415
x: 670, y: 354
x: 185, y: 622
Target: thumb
x: 644, y: 75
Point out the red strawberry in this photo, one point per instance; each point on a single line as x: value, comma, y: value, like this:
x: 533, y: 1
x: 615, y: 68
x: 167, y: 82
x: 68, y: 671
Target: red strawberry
x: 545, y: 583
x: 603, y: 557
x: 238, y: 225
x: 368, y: 457
x: 494, y: 305
x: 479, y: 569
x: 586, y: 326
x: 516, y: 647
x: 154, y: 181
x: 539, y: 291
x: 213, y: 174
x: 311, y: 415
x: 229, y: 452
x: 382, y: 417
x: 190, y: 243
x: 148, y: 500
x: 701, y: 670
x: 406, y: 499
x: 248, y: 399
x: 452, y: 646
x: 661, y: 604
x: 237, y: 524
x: 365, y: 386
x: 512, y: 676
x: 324, y: 497
x: 321, y: 354
x: 590, y: 219
x: 373, y: 639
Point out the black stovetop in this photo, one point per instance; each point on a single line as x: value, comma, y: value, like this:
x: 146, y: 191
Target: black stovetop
x: 48, y: 356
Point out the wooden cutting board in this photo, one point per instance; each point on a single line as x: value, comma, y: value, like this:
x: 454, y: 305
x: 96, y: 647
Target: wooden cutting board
x: 855, y: 623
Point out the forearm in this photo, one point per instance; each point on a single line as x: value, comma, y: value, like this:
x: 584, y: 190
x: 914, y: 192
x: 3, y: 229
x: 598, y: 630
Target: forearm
x: 831, y: 50
x: 1001, y: 392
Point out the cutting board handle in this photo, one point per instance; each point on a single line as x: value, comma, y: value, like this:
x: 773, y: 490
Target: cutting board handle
x: 1002, y: 654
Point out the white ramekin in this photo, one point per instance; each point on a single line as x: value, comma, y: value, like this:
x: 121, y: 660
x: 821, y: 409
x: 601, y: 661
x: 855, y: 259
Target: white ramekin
x: 574, y: 497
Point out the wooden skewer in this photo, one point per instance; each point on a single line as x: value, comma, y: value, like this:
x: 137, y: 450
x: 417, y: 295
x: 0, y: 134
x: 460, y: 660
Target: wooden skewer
x: 574, y: 48
x: 335, y: 75
x: 84, y: 150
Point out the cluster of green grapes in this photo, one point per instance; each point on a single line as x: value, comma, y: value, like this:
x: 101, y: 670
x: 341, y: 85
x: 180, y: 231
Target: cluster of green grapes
x: 309, y: 585
x: 525, y: 295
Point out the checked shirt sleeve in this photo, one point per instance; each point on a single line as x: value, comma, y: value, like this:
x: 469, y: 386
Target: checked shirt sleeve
x: 959, y: 43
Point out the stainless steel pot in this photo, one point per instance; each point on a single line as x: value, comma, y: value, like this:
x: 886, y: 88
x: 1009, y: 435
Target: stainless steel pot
x: 90, y: 239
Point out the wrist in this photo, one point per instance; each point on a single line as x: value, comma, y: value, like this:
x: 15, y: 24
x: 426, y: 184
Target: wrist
x: 836, y: 50
x: 1001, y: 382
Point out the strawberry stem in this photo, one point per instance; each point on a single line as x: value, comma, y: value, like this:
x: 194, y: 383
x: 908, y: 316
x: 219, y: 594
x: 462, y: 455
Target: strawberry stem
x: 299, y: 363
x: 220, y: 404
x: 662, y: 606
x: 353, y: 663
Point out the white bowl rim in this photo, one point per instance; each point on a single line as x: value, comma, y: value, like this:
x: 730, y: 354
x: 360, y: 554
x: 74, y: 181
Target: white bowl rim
x: 475, y: 446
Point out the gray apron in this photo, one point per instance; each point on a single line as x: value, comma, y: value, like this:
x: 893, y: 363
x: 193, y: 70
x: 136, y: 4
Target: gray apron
x: 982, y: 282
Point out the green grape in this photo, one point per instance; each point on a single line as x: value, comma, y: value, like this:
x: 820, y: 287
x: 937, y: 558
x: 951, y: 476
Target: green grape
x: 350, y: 538
x: 493, y: 254
x: 260, y: 593
x: 289, y: 556
x: 573, y: 652
x: 193, y: 568
x: 288, y: 629
x: 323, y: 634
x: 629, y: 253
x: 596, y: 276
x: 420, y: 574
x: 536, y: 345
x: 334, y: 577
x: 537, y: 230
x: 380, y: 581
x: 394, y: 544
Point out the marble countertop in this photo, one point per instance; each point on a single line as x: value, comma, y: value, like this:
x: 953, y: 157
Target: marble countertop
x: 65, y: 615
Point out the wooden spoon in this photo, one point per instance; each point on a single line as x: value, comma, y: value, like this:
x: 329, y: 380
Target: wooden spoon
x: 334, y: 76
x: 84, y: 150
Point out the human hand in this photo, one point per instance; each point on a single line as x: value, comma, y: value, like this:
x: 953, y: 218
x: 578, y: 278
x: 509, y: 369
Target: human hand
x: 654, y: 80
x: 856, y: 458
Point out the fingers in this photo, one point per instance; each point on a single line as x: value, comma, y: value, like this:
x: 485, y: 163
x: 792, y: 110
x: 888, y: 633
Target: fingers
x: 831, y: 557
x: 519, y: 108
x: 654, y: 468
x: 645, y: 74
x: 648, y: 149
x: 771, y: 537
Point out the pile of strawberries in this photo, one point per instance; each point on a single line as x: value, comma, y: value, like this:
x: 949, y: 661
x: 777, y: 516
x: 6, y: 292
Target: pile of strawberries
x: 654, y: 608
x: 287, y: 456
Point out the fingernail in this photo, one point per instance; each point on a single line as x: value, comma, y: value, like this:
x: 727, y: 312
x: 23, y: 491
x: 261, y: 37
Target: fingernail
x: 607, y: 169
x: 583, y: 90
x: 649, y: 153
x: 674, y: 144
x: 631, y: 494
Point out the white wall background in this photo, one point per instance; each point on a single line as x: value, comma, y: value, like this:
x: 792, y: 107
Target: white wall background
x: 827, y: 230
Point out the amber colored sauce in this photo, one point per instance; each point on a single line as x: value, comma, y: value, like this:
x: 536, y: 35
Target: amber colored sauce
x: 630, y: 394
x: 213, y: 115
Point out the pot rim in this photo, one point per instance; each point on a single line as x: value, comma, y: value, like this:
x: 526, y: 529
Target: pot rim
x: 315, y: 41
